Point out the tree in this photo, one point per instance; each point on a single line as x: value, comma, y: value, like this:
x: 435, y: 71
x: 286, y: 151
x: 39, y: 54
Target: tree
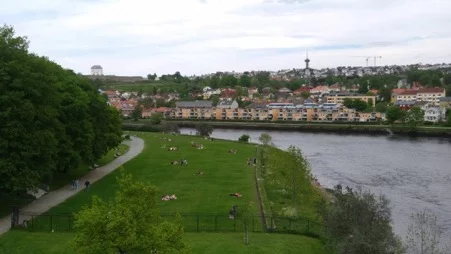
x: 244, y: 138
x: 448, y: 117
x: 129, y: 223
x: 415, y: 116
x: 156, y: 117
x: 424, y: 235
x: 52, y: 119
x: 214, y: 100
x: 244, y: 80
x: 204, y: 129
x: 381, y: 107
x: 305, y: 94
x: 360, y: 222
x: 169, y: 127
x: 137, y: 113
x: 356, y: 104
x: 265, y: 139
x: 394, y: 113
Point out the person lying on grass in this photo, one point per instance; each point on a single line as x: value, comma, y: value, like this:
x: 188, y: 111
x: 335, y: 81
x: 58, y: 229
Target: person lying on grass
x: 169, y: 197
x: 199, y: 173
x: 238, y: 195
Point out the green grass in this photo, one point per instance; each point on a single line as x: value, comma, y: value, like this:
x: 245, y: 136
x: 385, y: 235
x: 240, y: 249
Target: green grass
x: 225, y: 173
x: 20, y: 242
x: 278, y: 174
x: 58, y: 181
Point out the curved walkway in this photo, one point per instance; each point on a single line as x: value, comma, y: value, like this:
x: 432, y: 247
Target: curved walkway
x: 56, y: 197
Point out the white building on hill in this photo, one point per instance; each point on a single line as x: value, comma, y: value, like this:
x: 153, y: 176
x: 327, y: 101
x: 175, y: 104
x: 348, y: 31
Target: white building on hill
x: 97, y: 70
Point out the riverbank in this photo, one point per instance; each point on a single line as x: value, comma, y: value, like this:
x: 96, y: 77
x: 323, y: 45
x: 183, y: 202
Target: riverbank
x: 341, y: 128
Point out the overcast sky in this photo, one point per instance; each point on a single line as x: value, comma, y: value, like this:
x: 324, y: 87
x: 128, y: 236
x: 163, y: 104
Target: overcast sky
x: 137, y: 37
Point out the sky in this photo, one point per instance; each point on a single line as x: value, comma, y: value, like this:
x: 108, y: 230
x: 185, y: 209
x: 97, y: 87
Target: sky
x: 138, y: 37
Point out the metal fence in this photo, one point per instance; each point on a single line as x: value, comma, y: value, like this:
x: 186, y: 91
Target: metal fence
x: 191, y: 223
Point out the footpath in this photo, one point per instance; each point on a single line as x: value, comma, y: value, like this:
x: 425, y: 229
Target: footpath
x: 53, y: 198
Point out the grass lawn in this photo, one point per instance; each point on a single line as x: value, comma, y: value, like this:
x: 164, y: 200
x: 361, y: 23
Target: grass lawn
x: 20, y: 242
x: 59, y: 180
x: 224, y: 173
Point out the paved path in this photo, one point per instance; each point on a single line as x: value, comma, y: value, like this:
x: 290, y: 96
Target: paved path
x: 54, y: 198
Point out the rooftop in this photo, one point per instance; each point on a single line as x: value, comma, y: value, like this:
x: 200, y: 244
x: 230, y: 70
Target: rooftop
x: 96, y: 67
x: 193, y: 104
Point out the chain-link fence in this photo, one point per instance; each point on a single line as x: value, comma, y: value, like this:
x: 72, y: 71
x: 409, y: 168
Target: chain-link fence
x: 191, y: 223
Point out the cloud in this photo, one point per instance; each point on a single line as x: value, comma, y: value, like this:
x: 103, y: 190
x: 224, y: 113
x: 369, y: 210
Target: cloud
x: 136, y: 37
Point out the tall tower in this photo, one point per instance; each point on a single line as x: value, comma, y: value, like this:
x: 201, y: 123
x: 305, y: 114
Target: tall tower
x: 307, y: 68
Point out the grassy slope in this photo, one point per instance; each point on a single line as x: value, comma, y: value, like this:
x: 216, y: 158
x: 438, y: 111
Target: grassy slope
x: 59, y: 181
x: 225, y: 173
x: 19, y: 242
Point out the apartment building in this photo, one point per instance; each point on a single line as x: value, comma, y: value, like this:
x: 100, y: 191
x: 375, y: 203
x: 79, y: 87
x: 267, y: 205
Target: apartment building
x: 307, y: 113
x: 430, y: 95
x: 339, y: 98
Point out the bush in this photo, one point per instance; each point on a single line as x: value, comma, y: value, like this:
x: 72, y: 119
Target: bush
x: 204, y: 129
x: 141, y: 127
x: 169, y: 127
x: 244, y: 138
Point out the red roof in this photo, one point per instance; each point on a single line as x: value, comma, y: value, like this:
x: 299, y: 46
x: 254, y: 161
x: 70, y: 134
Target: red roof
x: 409, y: 92
x: 398, y: 90
x: 432, y: 90
x: 302, y: 89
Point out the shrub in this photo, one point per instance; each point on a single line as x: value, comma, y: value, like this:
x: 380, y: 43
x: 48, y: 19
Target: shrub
x: 244, y: 138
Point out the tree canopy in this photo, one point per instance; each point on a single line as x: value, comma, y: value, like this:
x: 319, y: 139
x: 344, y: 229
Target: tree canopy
x: 129, y: 223
x: 51, y: 118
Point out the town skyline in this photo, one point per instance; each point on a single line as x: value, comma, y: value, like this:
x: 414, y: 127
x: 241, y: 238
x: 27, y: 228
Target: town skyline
x: 207, y: 36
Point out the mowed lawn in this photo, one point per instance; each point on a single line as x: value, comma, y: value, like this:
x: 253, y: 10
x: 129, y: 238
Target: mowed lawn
x: 224, y: 173
x: 20, y: 242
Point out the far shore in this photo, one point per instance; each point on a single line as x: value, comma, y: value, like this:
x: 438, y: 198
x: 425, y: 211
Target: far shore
x: 343, y: 128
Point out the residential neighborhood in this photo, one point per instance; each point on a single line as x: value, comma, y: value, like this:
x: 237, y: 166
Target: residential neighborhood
x: 320, y: 103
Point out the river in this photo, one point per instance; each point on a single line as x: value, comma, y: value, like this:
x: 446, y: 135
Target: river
x: 414, y: 173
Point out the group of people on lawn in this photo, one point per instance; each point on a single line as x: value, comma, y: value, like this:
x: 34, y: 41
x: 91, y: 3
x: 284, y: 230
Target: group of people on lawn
x: 234, y: 211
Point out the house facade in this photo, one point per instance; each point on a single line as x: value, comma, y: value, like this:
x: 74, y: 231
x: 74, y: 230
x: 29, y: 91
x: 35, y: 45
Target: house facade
x: 96, y: 70
x: 223, y: 104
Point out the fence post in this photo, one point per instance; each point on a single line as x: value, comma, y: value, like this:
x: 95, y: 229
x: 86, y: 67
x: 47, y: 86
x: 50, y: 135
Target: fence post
x: 216, y: 223
x: 197, y: 223
x: 51, y: 222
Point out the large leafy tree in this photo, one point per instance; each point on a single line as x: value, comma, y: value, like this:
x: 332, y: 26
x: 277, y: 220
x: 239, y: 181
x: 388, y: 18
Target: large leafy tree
x: 130, y: 223
x: 51, y: 118
x: 360, y: 222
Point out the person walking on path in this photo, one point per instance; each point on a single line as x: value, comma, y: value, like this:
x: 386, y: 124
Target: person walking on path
x: 87, y: 183
x: 72, y: 184
x: 77, y: 184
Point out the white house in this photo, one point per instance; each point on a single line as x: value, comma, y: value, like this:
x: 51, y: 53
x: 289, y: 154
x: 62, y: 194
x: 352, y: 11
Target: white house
x: 209, y: 92
x: 433, y: 114
x: 223, y: 104
x: 96, y: 70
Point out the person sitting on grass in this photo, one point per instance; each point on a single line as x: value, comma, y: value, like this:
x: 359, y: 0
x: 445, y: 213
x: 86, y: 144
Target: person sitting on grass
x: 236, y: 194
x: 174, y: 162
x: 232, y: 151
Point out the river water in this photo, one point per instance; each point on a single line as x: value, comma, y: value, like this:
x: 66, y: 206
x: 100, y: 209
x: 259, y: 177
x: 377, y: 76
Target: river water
x: 414, y: 173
